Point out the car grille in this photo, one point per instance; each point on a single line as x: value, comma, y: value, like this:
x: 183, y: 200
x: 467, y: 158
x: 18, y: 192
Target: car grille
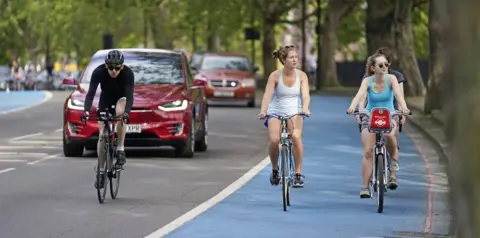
x: 225, y: 83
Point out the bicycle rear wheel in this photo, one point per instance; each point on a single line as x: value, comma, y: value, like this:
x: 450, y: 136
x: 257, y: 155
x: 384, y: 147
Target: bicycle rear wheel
x: 102, y: 188
x: 380, y: 182
x: 114, y: 176
x: 284, y: 176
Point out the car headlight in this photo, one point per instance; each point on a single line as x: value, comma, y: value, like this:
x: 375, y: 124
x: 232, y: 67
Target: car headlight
x: 248, y: 82
x: 176, y: 105
x: 75, y: 104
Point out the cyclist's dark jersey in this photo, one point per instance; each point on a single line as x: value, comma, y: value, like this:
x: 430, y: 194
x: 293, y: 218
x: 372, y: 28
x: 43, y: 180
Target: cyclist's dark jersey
x: 112, y: 88
x: 400, y: 80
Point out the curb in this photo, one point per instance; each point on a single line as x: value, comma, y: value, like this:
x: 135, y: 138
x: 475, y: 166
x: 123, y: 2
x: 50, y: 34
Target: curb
x: 436, y: 144
x: 47, y: 97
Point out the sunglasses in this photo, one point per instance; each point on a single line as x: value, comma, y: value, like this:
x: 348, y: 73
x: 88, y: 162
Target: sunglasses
x: 381, y: 65
x: 114, y: 67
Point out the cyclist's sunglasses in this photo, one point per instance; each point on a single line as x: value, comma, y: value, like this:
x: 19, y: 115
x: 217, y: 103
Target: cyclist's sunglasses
x: 114, y: 67
x: 381, y: 65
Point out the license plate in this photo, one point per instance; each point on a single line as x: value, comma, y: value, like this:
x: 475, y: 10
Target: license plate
x: 223, y: 94
x: 134, y: 129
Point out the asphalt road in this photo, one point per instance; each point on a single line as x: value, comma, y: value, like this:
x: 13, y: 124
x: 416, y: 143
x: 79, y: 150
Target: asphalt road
x: 43, y: 194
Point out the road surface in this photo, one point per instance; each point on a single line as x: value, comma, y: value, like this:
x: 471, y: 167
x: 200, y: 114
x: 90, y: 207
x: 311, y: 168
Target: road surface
x: 43, y: 194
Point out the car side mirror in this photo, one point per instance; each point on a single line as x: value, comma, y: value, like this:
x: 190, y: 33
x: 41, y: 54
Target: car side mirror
x: 255, y: 68
x: 70, y: 82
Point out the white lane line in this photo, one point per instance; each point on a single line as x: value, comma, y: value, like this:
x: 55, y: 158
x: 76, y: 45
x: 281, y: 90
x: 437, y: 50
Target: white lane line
x: 210, y: 202
x: 6, y: 170
x: 26, y: 136
x: 45, y: 159
x: 228, y: 135
x: 48, y: 96
x: 12, y: 160
x: 37, y: 142
x: 17, y: 147
x: 59, y: 130
x: 23, y: 153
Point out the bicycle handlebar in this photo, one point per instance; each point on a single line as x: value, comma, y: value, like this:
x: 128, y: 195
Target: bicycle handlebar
x: 367, y: 113
x: 394, y: 113
x: 288, y: 117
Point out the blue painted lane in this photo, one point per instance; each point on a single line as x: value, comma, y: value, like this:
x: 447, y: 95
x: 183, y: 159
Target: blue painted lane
x: 329, y: 205
x: 15, y: 100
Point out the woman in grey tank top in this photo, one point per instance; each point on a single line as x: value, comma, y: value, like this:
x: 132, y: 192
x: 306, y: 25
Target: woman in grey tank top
x: 286, y: 93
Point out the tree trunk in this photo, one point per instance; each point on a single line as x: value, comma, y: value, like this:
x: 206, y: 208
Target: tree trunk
x: 336, y: 11
x: 405, y: 49
x: 211, y: 41
x: 378, y: 24
x: 436, y: 12
x: 268, y: 46
x: 465, y: 77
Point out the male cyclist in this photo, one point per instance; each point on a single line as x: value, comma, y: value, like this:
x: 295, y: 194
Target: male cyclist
x: 116, y: 81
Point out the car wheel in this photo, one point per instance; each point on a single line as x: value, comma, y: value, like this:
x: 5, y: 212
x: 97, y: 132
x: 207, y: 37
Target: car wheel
x: 187, y: 149
x: 71, y: 149
x: 251, y: 103
x: 202, y: 144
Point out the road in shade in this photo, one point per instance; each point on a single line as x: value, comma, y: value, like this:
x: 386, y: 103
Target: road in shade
x: 329, y: 205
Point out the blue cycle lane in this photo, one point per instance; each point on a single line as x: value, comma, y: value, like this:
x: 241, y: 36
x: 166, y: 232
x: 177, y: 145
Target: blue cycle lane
x: 19, y: 99
x: 329, y: 205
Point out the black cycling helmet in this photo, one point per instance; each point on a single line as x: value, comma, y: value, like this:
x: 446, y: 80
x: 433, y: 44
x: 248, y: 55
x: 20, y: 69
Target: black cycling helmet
x: 114, y: 57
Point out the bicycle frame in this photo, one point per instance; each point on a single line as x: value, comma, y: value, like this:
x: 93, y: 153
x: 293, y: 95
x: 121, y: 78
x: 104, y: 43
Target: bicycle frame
x: 285, y: 139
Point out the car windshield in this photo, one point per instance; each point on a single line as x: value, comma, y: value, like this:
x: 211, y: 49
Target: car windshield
x: 226, y: 63
x: 148, y: 67
x: 196, y: 59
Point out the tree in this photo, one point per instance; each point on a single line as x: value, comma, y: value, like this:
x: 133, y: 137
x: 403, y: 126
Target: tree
x: 437, y: 11
x: 405, y: 51
x: 464, y: 76
x: 379, y: 23
x: 336, y: 11
x: 272, y: 12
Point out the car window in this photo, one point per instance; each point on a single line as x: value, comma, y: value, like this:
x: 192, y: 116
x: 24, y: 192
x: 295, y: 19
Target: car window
x: 148, y: 67
x: 226, y: 63
x: 196, y: 59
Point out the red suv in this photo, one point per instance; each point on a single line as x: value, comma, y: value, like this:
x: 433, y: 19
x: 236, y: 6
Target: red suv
x: 169, y: 107
x: 229, y: 77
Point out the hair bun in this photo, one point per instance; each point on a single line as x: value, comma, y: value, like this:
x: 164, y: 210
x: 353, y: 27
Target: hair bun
x: 277, y: 53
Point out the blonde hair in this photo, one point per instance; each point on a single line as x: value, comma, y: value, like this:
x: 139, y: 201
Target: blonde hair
x: 371, y: 61
x: 282, y: 52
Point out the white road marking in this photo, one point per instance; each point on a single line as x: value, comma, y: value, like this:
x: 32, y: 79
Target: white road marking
x: 59, y: 130
x: 26, y: 136
x: 18, y: 147
x: 45, y: 159
x: 36, y: 142
x: 48, y: 96
x: 210, y: 202
x: 12, y: 160
x: 23, y: 153
x: 228, y: 135
x: 6, y: 170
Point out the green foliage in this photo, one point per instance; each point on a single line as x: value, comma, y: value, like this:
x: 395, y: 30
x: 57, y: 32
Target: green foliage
x: 420, y: 30
x: 75, y: 28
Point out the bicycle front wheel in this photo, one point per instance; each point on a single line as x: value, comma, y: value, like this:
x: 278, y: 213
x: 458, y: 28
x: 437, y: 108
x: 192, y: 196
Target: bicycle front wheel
x: 380, y: 182
x: 114, y: 177
x: 102, y: 188
x: 284, y: 175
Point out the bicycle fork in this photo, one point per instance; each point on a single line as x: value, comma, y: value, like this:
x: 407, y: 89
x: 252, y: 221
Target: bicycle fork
x: 380, y: 150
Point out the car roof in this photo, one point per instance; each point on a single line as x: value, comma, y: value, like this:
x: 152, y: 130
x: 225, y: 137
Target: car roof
x: 145, y: 50
x: 224, y: 54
